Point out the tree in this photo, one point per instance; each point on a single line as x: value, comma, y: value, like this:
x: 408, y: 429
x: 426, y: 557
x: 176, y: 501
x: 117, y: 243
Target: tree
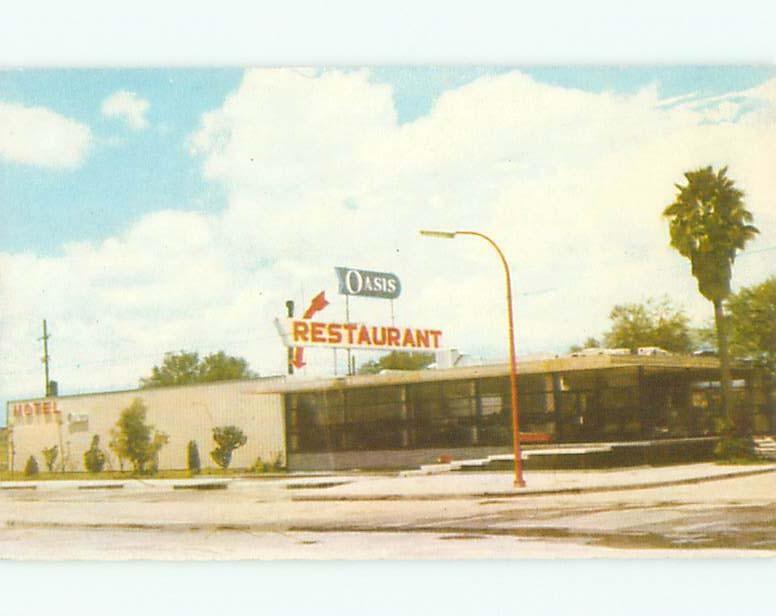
x: 655, y: 323
x: 708, y: 224
x: 227, y: 438
x: 50, y: 457
x: 184, y: 368
x: 752, y: 320
x: 135, y: 440
x: 222, y: 367
x: 589, y: 343
x: 31, y: 468
x: 397, y: 360
x: 94, y: 458
x: 192, y: 457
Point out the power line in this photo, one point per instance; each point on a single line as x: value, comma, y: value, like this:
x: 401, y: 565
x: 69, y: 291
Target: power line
x: 116, y: 361
x: 120, y: 360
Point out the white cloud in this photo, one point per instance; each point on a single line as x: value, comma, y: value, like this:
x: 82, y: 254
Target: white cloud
x: 127, y: 106
x: 319, y: 173
x: 41, y: 137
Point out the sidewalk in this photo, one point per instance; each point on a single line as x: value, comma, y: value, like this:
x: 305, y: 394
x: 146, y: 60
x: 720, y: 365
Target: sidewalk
x: 499, y: 484
x: 458, y: 485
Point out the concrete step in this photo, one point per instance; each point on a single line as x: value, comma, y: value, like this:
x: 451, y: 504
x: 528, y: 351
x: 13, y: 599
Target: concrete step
x: 765, y: 447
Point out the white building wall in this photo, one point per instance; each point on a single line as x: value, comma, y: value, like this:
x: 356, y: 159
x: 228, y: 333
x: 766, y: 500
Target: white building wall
x: 183, y: 413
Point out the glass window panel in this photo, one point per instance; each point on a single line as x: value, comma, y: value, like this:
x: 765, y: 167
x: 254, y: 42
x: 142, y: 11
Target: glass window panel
x: 458, y: 389
x: 495, y: 386
x: 532, y: 383
x: 376, y: 412
x: 532, y: 403
x: 426, y: 409
x: 363, y: 436
x: 461, y: 407
x: 491, y: 405
x: 373, y: 395
x: 424, y: 391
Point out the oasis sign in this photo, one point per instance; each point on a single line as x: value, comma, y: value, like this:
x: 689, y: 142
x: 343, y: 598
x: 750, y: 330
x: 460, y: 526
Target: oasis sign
x: 308, y: 333
x: 368, y: 284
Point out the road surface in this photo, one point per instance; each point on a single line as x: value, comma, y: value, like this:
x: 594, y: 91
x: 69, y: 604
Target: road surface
x: 264, y: 519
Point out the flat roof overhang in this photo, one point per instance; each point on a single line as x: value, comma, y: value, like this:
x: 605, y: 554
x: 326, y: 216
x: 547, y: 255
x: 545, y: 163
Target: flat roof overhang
x: 706, y: 368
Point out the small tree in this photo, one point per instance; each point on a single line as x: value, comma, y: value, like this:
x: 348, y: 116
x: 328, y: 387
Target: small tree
x: 655, y: 323
x: 184, y: 368
x: 589, y: 343
x: 135, y: 440
x: 192, y: 454
x: 753, y: 323
x: 227, y: 438
x: 31, y: 468
x: 94, y: 458
x: 50, y: 455
x: 398, y: 360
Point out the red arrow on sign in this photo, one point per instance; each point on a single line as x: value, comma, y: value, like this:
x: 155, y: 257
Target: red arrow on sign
x: 317, y: 304
x: 298, y: 360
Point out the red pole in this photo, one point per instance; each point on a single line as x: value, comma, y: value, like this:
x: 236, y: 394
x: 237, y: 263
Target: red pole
x: 519, y: 481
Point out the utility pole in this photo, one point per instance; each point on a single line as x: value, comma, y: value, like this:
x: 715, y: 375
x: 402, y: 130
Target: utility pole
x: 347, y: 320
x: 45, y: 359
x: 290, y: 350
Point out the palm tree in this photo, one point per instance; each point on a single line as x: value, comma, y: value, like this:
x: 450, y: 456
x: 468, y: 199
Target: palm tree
x: 709, y: 223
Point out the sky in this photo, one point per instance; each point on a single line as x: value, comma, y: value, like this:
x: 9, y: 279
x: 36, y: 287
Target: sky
x: 148, y: 211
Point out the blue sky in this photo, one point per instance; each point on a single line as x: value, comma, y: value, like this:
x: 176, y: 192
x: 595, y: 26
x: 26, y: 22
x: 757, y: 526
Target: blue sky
x: 156, y: 210
x: 128, y: 173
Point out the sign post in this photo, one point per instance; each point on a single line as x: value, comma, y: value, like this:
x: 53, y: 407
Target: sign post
x: 366, y: 283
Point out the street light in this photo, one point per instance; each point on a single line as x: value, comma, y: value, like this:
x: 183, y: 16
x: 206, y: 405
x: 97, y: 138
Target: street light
x: 519, y: 482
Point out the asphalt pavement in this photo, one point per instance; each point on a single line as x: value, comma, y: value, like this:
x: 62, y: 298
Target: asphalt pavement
x: 697, y: 510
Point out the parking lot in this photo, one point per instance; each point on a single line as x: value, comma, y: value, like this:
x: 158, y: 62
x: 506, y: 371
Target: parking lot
x: 352, y: 516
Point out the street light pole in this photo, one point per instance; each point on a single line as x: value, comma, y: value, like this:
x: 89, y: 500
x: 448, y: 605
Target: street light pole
x: 519, y: 481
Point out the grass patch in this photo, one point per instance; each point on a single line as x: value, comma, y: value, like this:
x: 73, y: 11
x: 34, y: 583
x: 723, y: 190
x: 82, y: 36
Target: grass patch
x: 18, y: 475
x: 749, y: 461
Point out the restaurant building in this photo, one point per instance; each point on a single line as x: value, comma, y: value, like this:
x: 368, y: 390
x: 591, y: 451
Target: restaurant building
x: 403, y: 419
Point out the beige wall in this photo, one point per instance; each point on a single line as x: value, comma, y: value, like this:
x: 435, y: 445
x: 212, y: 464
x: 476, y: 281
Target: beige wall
x: 184, y: 413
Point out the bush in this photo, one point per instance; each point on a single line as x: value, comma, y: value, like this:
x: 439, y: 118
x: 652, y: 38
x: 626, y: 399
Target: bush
x: 258, y: 466
x: 135, y: 440
x: 227, y: 438
x: 277, y: 464
x: 94, y: 458
x: 192, y: 455
x: 31, y: 468
x: 731, y: 448
x: 50, y: 457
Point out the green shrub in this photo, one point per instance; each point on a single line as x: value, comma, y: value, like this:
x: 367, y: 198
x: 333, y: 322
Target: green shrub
x: 94, y: 458
x: 50, y: 457
x: 730, y: 448
x: 31, y: 468
x: 258, y: 466
x: 192, y: 455
x: 135, y: 440
x: 227, y: 438
x: 277, y: 464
